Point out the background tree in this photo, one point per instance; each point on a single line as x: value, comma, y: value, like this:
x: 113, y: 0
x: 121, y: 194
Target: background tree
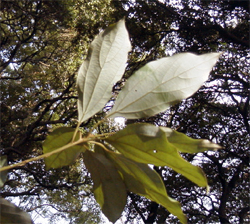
x: 42, y: 46
x: 219, y: 111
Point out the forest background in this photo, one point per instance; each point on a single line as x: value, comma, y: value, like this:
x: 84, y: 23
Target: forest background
x: 43, y: 43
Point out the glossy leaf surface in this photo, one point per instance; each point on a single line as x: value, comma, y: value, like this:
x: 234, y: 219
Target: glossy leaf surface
x: 162, y: 83
x: 59, y: 138
x: 103, y: 67
x: 145, y: 143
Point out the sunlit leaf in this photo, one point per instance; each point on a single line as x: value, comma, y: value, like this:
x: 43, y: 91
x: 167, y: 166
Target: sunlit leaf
x: 11, y: 214
x: 3, y: 174
x: 109, y: 188
x: 183, y: 143
x: 141, y: 179
x: 145, y: 143
x: 162, y: 83
x: 104, y: 66
x: 59, y: 138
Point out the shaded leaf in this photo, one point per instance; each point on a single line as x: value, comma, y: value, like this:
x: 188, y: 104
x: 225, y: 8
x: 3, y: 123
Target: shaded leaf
x: 145, y: 143
x: 109, y: 189
x: 161, y: 83
x: 59, y: 138
x: 104, y: 66
x: 183, y: 143
x: 11, y: 214
x: 141, y: 179
x: 3, y: 174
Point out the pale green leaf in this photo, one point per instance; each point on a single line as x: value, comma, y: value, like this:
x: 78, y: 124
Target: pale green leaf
x: 11, y: 214
x: 104, y: 66
x: 109, y: 188
x: 145, y: 143
x: 185, y: 144
x: 141, y: 179
x: 3, y: 174
x: 59, y: 138
x: 162, y: 83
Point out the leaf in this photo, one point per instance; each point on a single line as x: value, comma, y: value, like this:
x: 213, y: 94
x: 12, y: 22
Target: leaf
x: 185, y: 144
x: 11, y: 214
x: 109, y: 189
x: 104, y: 66
x: 59, y: 138
x: 141, y: 179
x: 3, y: 174
x: 162, y: 83
x: 145, y: 143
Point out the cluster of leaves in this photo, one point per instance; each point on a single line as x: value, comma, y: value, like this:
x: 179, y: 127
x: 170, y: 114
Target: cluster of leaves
x: 219, y: 111
x: 41, y: 40
x: 40, y: 46
x: 119, y: 162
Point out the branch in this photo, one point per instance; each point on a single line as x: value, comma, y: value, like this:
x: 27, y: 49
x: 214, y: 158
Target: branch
x: 226, y: 34
x: 11, y: 78
x: 80, y: 141
x: 17, y: 47
x: 54, y: 207
x: 136, y: 207
x: 51, y: 187
x: 187, y: 25
x: 152, y: 213
x: 29, y: 192
x: 243, y: 213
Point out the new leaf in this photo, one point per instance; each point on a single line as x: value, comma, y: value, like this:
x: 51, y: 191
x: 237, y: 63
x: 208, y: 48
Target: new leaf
x: 104, y: 66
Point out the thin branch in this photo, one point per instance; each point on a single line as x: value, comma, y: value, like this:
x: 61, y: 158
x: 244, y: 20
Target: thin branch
x: 80, y: 141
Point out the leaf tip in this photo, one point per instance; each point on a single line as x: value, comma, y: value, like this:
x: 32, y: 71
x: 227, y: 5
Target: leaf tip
x: 209, y: 145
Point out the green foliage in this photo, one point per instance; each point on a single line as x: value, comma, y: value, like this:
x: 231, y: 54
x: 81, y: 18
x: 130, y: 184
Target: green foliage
x: 42, y: 45
x: 167, y: 80
x: 145, y: 143
x: 185, y: 144
x: 11, y: 214
x: 141, y: 179
x: 59, y: 138
x: 104, y: 66
x: 109, y: 188
x: 119, y: 162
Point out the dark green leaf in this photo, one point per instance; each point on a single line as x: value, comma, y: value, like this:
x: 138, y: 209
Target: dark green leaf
x: 109, y: 188
x: 11, y: 214
x: 141, y: 179
x: 58, y: 138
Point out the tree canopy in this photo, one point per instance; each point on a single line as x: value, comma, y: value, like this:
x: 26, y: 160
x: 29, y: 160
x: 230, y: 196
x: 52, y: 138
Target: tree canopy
x: 43, y: 44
